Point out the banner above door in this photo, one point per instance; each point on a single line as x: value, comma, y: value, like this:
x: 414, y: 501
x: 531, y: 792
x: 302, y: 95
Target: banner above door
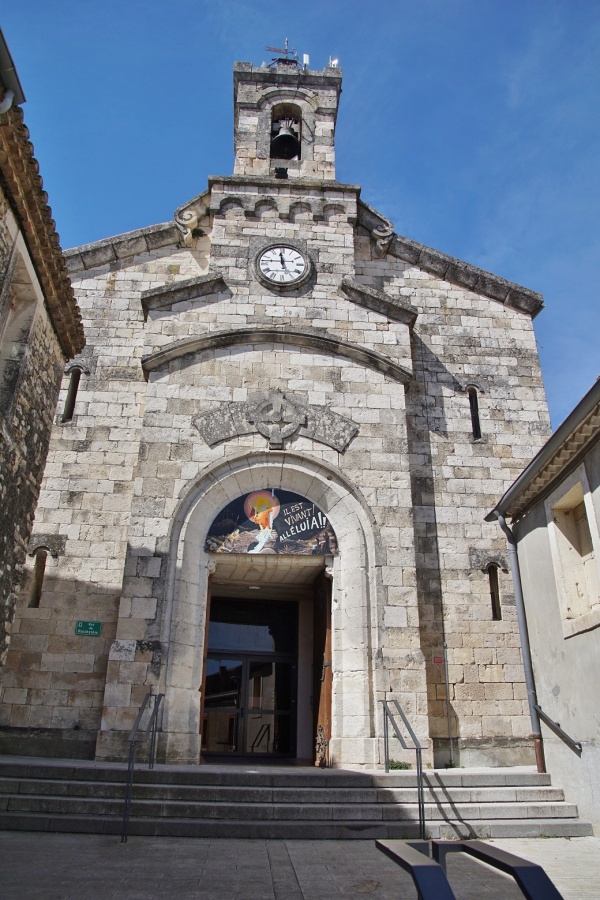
x: 272, y: 521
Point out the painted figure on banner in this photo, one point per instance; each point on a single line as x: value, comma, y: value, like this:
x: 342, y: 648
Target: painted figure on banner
x: 262, y: 508
x: 272, y: 521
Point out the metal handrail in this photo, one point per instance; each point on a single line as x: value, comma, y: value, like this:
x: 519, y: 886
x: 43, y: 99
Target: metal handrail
x: 265, y: 729
x: 575, y: 746
x: 134, y: 740
x: 388, y: 715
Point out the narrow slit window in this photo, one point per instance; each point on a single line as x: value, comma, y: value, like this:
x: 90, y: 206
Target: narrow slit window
x: 39, y: 570
x: 474, y: 405
x: 71, y: 395
x: 495, y: 592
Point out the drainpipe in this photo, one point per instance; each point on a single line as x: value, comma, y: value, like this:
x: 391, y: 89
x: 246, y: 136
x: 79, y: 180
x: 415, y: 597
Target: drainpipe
x: 525, y: 649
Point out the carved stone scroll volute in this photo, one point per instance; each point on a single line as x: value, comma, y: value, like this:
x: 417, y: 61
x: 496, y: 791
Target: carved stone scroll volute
x: 188, y: 217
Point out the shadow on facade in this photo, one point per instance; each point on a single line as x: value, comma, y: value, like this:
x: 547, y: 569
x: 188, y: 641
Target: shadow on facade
x: 53, y: 679
x: 426, y: 415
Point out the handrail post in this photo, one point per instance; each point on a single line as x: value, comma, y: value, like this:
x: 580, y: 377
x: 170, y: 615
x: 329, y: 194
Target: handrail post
x: 386, y: 737
x: 151, y: 730
x: 420, y: 794
x: 152, y: 759
x: 388, y: 714
x: 128, y: 792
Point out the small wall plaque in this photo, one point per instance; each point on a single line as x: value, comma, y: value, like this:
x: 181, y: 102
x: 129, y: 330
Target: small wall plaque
x: 92, y: 629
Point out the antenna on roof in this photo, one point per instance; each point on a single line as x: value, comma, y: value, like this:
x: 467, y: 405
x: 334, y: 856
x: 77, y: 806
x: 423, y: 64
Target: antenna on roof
x: 284, y: 60
x: 333, y: 63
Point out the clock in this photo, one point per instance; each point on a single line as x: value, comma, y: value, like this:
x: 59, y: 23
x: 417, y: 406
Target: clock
x: 282, y: 266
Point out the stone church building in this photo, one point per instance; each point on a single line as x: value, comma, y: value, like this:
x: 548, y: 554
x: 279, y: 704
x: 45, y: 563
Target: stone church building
x: 268, y: 476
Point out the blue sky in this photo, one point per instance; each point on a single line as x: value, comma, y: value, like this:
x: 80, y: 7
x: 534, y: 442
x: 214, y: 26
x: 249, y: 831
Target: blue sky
x: 472, y: 124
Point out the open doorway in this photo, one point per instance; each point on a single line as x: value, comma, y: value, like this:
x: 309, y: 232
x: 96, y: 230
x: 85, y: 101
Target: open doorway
x: 267, y: 673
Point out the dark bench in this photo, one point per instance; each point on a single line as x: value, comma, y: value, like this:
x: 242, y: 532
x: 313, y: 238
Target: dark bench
x: 428, y: 875
x: 530, y: 877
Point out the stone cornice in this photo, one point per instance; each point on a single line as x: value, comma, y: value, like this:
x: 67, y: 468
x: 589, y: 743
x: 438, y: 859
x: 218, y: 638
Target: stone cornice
x: 282, y: 335
x: 319, y: 185
x: 447, y: 267
x: 20, y: 175
x: 121, y: 246
x: 285, y: 76
x: 378, y: 302
x: 165, y: 296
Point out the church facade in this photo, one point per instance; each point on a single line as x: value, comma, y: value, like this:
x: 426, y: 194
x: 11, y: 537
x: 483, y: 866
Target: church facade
x: 267, y: 480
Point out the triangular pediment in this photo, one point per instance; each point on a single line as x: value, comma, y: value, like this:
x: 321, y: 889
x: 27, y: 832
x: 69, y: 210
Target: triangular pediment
x: 448, y: 268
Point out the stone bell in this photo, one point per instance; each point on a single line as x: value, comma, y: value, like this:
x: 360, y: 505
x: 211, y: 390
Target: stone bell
x: 285, y: 144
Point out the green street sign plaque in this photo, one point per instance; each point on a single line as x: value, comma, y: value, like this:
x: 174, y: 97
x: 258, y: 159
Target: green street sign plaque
x: 92, y: 629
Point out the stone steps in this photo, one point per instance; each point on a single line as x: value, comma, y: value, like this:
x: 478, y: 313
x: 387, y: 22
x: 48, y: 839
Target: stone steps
x: 219, y: 801
x: 231, y: 794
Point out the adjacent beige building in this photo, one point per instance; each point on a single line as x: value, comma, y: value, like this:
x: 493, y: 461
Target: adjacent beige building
x: 554, y: 507
x: 267, y: 478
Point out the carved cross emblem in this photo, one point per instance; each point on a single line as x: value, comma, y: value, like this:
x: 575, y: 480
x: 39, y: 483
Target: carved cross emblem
x: 277, y: 418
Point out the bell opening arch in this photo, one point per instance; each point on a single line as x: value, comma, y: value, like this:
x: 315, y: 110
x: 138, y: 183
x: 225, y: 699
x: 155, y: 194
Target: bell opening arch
x: 195, y: 574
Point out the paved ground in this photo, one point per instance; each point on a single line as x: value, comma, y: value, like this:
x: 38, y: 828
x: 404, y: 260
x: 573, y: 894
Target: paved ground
x: 40, y: 866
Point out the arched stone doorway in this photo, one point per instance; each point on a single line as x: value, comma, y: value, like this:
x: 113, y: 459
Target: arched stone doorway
x: 194, y: 574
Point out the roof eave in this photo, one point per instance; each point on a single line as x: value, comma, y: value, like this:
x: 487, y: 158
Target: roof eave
x: 508, y: 504
x: 448, y: 268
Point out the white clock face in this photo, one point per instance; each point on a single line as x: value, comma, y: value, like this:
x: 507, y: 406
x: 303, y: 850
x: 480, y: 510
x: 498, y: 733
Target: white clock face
x: 282, y: 265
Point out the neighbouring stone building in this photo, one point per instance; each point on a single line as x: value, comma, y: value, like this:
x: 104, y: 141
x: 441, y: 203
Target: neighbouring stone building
x: 269, y: 471
x: 40, y: 329
x: 554, y: 507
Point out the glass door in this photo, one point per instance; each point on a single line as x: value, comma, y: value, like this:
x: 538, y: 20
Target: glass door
x: 251, y: 679
x: 223, y: 706
x: 271, y: 702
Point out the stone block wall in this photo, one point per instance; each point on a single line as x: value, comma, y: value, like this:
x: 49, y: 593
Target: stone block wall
x: 177, y: 333
x: 86, y: 501
x: 460, y: 340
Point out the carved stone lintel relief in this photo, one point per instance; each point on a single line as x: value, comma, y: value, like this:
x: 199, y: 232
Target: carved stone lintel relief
x: 481, y: 559
x: 54, y: 543
x: 277, y: 416
x: 122, y: 650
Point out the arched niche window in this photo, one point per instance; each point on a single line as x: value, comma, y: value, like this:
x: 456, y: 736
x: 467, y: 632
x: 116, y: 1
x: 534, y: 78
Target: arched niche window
x: 286, y: 132
x: 474, y: 407
x: 71, y: 398
x: 494, y: 583
x: 37, y: 582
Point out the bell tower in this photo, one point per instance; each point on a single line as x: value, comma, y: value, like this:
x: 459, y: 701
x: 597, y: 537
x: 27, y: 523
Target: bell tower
x: 285, y: 119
